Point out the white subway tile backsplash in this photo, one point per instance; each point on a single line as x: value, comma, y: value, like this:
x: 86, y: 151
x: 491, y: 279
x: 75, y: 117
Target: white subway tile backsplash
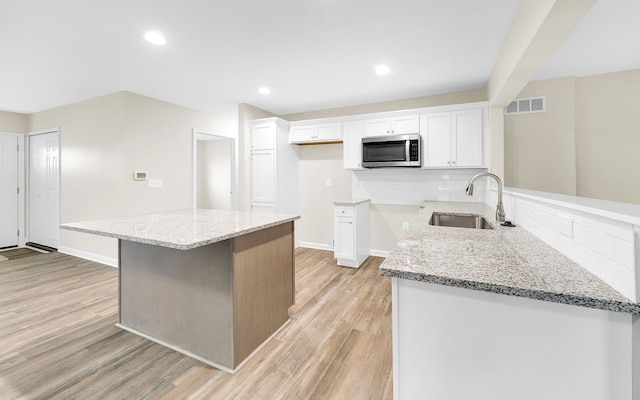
x: 587, y: 259
x: 616, y: 229
x: 588, y: 220
x: 580, y: 234
x: 625, y: 255
x: 601, y: 243
x: 604, y: 247
x: 413, y: 186
x: 619, y: 278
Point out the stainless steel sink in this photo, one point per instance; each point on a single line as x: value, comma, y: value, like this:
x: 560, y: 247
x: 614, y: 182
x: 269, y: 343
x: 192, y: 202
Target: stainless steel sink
x: 459, y: 221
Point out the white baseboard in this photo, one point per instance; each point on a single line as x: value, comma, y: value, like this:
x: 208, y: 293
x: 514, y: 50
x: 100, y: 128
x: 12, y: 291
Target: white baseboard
x: 320, y: 246
x: 317, y: 246
x: 112, y: 262
x: 379, y: 253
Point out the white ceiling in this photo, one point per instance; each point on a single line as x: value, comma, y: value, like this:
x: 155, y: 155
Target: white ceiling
x: 313, y: 54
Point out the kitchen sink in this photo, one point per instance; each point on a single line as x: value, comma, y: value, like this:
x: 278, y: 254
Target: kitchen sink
x: 459, y: 221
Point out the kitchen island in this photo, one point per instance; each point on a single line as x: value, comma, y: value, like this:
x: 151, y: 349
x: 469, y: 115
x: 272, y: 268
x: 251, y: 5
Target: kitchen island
x: 499, y: 314
x: 211, y: 284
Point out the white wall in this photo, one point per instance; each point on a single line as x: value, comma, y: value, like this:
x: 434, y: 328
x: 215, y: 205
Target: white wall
x: 214, y: 173
x: 102, y: 142
x: 323, y: 180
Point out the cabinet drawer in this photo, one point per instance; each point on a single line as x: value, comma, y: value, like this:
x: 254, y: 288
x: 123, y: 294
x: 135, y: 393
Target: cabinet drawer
x: 343, y: 211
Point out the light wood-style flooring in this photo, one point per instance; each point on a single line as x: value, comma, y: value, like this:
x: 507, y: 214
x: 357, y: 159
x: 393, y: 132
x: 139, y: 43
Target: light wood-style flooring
x: 58, y: 339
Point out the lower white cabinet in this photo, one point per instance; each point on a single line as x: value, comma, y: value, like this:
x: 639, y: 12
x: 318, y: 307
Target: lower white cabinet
x: 351, y: 232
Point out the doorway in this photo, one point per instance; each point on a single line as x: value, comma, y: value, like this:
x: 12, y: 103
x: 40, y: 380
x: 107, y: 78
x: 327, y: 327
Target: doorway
x: 44, y: 189
x: 214, y: 166
x: 11, y: 195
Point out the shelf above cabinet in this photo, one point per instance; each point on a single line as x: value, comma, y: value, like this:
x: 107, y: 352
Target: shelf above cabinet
x: 316, y: 133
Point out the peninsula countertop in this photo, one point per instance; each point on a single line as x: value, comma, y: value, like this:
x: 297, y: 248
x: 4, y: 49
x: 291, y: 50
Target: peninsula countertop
x: 181, y: 229
x: 504, y: 260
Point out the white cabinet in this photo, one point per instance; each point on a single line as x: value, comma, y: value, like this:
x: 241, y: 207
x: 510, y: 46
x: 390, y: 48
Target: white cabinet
x: 321, y: 133
x: 263, y: 176
x: 452, y: 139
x: 353, y: 131
x: 274, y: 168
x: 351, y: 233
x: 398, y: 125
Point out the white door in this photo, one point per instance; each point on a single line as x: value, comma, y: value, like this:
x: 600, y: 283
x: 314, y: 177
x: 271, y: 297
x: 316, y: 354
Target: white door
x: 8, y: 190
x: 44, y: 189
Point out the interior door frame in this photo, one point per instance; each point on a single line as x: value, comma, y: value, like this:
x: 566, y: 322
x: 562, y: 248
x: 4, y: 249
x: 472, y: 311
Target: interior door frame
x: 198, y: 134
x: 21, y: 186
x: 27, y: 164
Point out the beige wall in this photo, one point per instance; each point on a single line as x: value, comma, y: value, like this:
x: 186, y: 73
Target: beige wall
x: 321, y: 165
x: 13, y: 122
x: 536, y: 31
x: 104, y: 140
x: 386, y: 224
x: 585, y: 144
x: 540, y: 148
x: 608, y: 136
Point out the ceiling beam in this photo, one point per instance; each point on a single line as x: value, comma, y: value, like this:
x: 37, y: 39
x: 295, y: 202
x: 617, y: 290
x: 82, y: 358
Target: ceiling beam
x: 538, y: 28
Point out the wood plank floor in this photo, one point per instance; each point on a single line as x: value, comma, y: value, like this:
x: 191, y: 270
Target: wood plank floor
x: 58, y: 339
x: 17, y: 253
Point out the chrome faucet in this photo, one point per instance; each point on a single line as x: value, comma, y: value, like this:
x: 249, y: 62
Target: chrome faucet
x: 500, y: 208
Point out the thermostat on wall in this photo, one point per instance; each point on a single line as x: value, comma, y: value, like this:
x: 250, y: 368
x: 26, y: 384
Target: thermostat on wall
x: 139, y: 176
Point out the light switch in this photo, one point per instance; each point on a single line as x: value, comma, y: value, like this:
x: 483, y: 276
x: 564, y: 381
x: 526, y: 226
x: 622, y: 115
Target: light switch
x: 155, y: 183
x: 327, y: 182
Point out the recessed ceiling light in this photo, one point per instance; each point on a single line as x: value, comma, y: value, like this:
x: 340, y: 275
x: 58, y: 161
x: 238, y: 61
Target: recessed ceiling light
x: 155, y: 38
x: 264, y: 90
x: 382, y: 70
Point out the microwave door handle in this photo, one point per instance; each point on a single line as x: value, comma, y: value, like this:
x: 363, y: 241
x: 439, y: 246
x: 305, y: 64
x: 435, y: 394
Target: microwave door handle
x: 407, y: 150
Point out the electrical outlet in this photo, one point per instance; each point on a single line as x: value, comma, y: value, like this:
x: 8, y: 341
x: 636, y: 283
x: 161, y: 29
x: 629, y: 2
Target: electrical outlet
x: 565, y: 226
x: 405, y: 226
x: 155, y: 183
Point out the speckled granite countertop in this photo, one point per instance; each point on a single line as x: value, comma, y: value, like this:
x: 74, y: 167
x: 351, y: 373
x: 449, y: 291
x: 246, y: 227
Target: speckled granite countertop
x: 181, y: 229
x: 504, y: 260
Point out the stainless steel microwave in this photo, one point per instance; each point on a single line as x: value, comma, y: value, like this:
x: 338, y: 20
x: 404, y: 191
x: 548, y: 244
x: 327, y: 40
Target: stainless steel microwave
x: 392, y: 151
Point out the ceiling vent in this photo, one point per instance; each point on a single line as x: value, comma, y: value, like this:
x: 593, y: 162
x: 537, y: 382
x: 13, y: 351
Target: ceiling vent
x: 526, y: 106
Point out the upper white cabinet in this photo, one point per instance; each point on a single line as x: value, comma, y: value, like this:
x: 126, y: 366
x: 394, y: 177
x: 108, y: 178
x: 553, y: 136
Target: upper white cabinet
x: 353, y: 132
x: 323, y: 133
x: 274, y: 167
x: 397, y: 125
x: 452, y: 138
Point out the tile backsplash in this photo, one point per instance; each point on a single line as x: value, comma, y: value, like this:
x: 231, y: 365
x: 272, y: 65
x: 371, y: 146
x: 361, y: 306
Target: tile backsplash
x: 603, y: 246
x: 412, y: 186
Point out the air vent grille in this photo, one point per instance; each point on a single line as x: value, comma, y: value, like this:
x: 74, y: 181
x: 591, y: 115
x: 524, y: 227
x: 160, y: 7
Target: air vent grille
x: 526, y: 106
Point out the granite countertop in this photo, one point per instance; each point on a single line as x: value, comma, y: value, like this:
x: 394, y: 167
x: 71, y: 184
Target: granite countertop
x: 352, y: 202
x: 504, y: 260
x: 181, y: 229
